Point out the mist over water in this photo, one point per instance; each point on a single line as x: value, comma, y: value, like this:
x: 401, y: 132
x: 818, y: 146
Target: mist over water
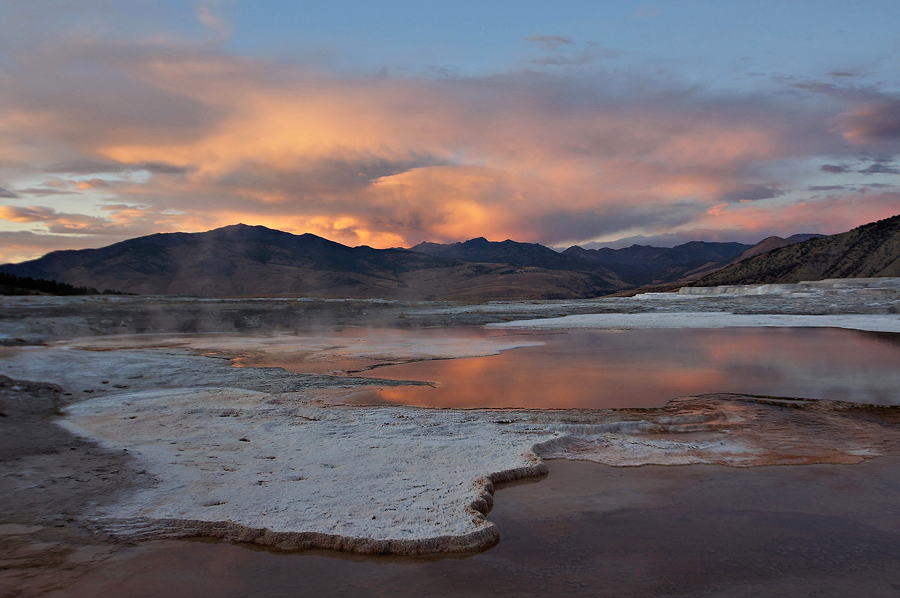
x: 644, y: 368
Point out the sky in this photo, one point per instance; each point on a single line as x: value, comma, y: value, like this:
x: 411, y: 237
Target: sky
x: 395, y: 122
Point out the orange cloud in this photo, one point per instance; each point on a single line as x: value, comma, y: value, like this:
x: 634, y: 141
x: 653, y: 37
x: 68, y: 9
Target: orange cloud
x: 832, y: 214
x: 872, y: 123
x: 218, y: 139
x: 91, y: 184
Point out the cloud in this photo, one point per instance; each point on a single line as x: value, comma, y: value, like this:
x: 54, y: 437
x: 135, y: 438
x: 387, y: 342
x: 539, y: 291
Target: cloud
x: 881, y: 168
x: 550, y: 43
x: 56, y: 222
x: 157, y: 168
x: 590, y: 224
x: 843, y: 73
x: 93, y: 166
x: 121, y: 220
x: 208, y: 12
x: 316, y: 178
x: 32, y: 214
x: 562, y: 51
x: 647, y: 12
x: 94, y: 183
x: 45, y: 191
x: 826, y: 188
x: 578, y: 59
x: 872, y: 123
x: 18, y: 246
x: 7, y: 194
x: 752, y: 193
x: 817, y: 86
x: 180, y: 136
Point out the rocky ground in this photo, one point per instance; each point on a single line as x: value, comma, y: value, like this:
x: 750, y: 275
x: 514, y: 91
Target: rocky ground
x: 107, y: 440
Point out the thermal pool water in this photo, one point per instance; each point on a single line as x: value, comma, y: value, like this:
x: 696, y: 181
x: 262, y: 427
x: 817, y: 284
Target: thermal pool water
x: 589, y: 530
x: 603, y: 369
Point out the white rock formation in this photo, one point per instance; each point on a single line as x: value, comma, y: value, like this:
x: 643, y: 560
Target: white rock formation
x: 273, y: 469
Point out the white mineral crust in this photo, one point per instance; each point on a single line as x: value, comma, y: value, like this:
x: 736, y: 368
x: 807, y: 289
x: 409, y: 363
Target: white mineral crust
x: 871, y: 322
x: 277, y: 470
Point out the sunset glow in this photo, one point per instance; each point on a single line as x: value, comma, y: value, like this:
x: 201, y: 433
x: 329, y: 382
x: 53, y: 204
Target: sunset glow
x: 179, y: 116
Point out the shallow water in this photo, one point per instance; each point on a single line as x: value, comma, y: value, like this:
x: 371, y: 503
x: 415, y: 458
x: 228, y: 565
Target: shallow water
x: 591, y: 530
x: 646, y: 368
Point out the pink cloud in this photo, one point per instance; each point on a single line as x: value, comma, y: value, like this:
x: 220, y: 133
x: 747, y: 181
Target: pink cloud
x: 394, y: 161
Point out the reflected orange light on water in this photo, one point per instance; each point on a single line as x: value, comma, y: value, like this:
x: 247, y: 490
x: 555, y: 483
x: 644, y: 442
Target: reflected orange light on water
x: 534, y: 379
x: 647, y: 368
x: 620, y: 369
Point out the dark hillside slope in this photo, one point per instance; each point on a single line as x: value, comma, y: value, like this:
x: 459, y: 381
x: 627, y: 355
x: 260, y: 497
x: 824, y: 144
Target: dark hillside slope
x: 871, y: 250
x: 770, y: 243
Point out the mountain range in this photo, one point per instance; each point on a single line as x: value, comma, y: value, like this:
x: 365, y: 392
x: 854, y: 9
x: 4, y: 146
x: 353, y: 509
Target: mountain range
x: 241, y: 260
x: 636, y: 266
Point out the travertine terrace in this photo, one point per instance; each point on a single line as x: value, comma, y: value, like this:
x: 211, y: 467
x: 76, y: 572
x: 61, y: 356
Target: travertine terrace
x: 260, y: 454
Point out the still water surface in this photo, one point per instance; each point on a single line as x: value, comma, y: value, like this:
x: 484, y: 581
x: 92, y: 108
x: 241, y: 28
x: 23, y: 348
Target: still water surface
x: 701, y: 531
x: 646, y: 368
